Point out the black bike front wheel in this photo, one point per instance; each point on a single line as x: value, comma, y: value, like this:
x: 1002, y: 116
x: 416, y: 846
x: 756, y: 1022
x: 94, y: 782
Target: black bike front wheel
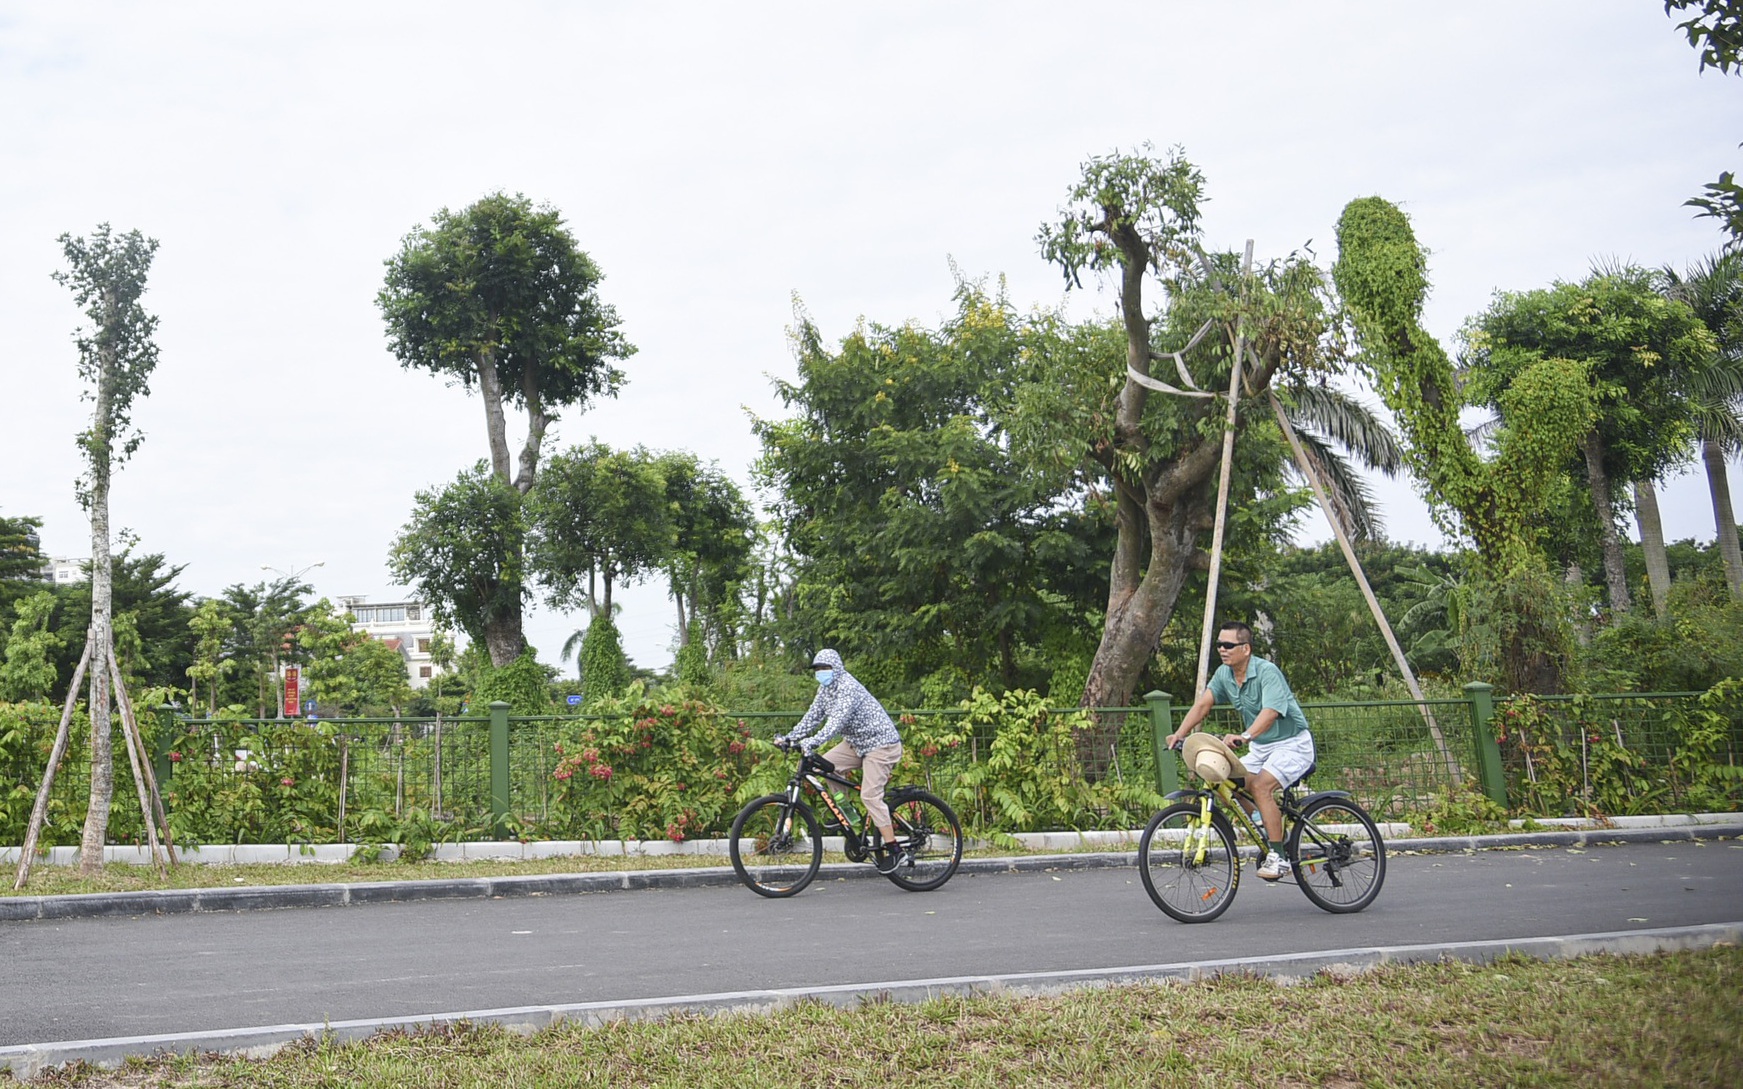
x: 775, y: 847
x: 1339, y: 857
x: 932, y: 837
x: 1189, y: 862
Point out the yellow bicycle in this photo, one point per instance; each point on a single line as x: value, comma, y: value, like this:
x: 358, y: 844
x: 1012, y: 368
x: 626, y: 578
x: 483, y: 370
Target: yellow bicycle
x: 1191, y: 863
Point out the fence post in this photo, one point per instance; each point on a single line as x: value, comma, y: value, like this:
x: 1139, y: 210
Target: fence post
x: 1489, y: 770
x: 1161, y: 725
x: 499, y: 767
x: 161, y: 765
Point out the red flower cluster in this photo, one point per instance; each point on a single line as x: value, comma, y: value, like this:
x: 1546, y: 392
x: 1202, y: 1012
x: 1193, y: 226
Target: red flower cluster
x: 175, y: 757
x: 735, y: 748
x: 928, y: 749
x: 287, y: 781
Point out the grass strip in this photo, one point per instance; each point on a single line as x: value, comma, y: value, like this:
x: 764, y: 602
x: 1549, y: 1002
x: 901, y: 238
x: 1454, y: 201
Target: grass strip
x: 1669, y: 1020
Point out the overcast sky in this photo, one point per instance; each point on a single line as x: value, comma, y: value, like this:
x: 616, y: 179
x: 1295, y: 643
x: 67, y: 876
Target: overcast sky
x: 718, y: 160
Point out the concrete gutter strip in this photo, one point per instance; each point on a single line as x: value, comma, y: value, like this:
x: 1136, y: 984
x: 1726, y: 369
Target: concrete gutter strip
x: 267, y: 897
x: 28, y: 1060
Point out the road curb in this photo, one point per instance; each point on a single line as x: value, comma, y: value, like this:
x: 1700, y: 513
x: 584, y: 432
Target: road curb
x: 28, y: 1060
x: 278, y: 897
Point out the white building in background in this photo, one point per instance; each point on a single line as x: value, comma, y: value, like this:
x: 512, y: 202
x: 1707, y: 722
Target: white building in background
x: 65, y: 570
x: 405, y: 626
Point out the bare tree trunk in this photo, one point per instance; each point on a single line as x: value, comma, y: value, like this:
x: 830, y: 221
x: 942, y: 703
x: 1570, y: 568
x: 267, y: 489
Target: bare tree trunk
x: 1652, y: 544
x: 1615, y: 573
x: 1724, y: 519
x: 96, y: 831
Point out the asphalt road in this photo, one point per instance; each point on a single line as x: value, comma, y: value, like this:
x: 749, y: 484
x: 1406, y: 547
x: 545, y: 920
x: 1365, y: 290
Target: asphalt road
x: 98, y: 978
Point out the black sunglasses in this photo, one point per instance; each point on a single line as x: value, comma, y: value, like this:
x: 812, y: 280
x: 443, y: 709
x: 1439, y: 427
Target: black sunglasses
x: 1230, y: 646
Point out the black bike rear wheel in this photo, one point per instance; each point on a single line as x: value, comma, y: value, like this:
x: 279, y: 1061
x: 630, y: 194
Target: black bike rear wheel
x: 1339, y: 857
x: 775, y: 848
x: 1189, y: 864
x: 930, y: 832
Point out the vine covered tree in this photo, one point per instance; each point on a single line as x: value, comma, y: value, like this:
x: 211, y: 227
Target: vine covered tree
x: 107, y: 275
x: 498, y: 298
x: 1497, y: 502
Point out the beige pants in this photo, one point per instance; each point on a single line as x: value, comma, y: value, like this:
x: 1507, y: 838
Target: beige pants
x: 876, y: 767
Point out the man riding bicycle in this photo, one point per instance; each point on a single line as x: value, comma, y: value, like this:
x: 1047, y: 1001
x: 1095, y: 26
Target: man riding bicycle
x: 1281, y: 746
x: 869, y: 741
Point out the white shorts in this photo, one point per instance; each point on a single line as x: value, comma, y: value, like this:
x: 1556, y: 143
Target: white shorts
x: 1286, y: 760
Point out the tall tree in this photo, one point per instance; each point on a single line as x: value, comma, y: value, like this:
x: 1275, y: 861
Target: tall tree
x: 1713, y: 289
x: 497, y: 297
x: 1496, y: 502
x: 1135, y: 217
x: 1635, y: 349
x: 920, y: 543
x: 107, y: 275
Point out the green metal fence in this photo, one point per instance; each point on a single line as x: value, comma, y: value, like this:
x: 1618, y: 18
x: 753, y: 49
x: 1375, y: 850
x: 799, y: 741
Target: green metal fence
x: 485, y: 776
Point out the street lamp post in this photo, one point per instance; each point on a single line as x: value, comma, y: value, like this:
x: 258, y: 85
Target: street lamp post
x: 277, y: 666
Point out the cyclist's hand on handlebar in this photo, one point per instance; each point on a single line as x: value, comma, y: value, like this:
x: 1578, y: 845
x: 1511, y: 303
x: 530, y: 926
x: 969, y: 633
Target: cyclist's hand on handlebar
x: 783, y: 743
x: 1234, y: 740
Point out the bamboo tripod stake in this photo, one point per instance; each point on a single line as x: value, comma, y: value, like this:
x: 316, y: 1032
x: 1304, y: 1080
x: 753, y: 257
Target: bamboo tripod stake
x: 143, y: 777
x: 1349, y: 552
x: 1222, y: 487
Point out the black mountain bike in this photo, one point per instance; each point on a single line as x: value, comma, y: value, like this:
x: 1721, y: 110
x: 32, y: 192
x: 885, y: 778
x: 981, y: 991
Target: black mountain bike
x: 1191, y: 865
x: 777, y: 841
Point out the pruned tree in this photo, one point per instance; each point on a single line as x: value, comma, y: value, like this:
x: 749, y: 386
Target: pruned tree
x: 1158, y: 445
x: 107, y: 275
x: 498, y: 298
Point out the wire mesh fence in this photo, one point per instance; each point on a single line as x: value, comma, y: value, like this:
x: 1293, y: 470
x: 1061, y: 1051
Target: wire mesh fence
x: 1023, y: 768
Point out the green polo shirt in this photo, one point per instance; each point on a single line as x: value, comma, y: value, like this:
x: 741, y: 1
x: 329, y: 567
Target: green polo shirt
x: 1264, y: 687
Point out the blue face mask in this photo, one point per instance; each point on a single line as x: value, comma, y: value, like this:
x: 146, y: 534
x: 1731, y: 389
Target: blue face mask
x: 824, y: 676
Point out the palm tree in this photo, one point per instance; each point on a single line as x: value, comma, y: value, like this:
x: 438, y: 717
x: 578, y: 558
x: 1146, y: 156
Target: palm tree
x: 1713, y: 289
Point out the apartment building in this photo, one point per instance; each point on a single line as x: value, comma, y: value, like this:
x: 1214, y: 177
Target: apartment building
x: 405, y: 626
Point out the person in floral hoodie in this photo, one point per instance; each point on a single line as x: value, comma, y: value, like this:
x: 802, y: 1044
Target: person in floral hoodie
x: 869, y: 741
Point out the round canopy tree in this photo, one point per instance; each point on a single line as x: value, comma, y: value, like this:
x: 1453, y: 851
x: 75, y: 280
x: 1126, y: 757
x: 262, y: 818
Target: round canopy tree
x: 497, y: 297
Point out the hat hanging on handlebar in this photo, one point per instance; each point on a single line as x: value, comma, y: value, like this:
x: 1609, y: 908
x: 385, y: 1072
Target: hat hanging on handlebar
x: 1212, y: 760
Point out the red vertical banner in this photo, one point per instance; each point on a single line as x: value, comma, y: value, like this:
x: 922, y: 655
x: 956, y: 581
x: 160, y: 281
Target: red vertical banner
x: 293, y: 697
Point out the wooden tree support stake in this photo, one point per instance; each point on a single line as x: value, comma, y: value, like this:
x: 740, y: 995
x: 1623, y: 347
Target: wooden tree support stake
x: 39, y: 812
x: 144, y: 776
x: 1307, y: 470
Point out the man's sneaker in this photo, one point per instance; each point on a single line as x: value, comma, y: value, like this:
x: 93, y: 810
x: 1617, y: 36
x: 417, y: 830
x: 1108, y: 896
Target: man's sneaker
x: 889, y: 856
x: 1274, y: 866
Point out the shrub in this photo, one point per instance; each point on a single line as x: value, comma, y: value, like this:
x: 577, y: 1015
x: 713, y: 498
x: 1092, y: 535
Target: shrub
x: 642, y: 767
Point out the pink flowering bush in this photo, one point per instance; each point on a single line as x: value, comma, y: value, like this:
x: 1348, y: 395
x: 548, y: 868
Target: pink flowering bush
x: 640, y: 769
